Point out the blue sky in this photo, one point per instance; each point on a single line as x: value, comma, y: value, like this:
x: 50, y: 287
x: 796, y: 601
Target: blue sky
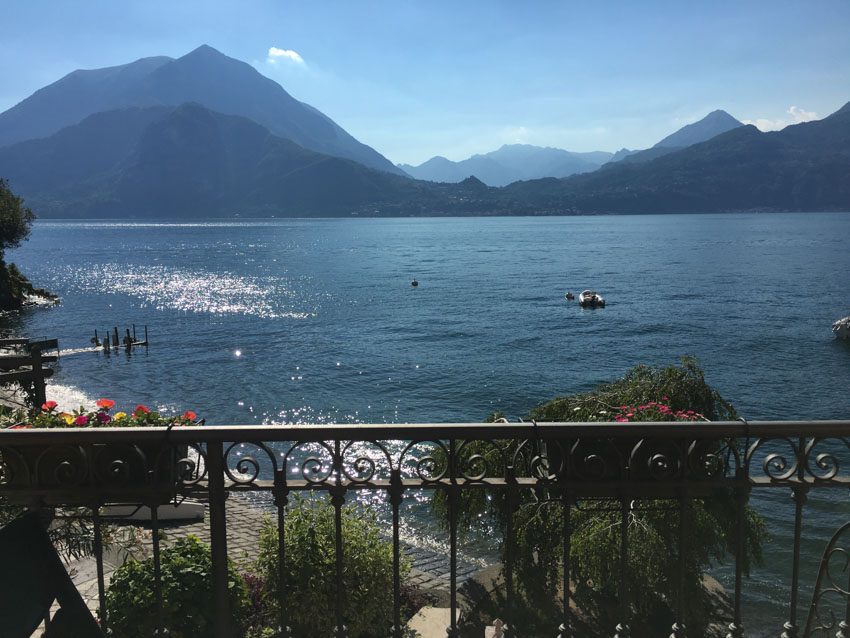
x: 418, y: 78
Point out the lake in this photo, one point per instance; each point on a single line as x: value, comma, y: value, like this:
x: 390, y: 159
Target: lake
x: 315, y: 321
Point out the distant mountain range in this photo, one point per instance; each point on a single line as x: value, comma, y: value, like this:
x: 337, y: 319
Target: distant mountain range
x: 710, y: 126
x: 512, y: 163
x: 206, y: 135
x: 204, y: 76
x: 805, y: 167
x: 188, y: 161
x: 508, y: 164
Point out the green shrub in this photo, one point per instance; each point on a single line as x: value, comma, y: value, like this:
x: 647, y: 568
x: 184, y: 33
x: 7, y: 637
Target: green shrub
x: 311, y: 585
x: 187, y: 593
x: 673, y: 393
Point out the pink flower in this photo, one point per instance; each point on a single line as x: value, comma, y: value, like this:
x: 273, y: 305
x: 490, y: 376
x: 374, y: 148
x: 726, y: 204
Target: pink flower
x: 664, y: 399
x: 81, y: 420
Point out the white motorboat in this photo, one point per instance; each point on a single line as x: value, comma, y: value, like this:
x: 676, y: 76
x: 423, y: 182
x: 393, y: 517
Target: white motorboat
x: 841, y: 328
x: 590, y: 299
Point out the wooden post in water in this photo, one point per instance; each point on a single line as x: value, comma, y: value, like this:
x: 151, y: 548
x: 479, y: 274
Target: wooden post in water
x: 106, y: 342
x: 146, y: 335
x: 38, y: 378
x: 96, y: 340
x: 115, y: 336
x: 128, y: 341
x: 134, y: 332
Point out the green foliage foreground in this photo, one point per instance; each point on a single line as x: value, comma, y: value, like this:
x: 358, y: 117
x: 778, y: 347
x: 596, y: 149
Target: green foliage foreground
x: 187, y: 594
x: 674, y: 393
x: 310, y: 570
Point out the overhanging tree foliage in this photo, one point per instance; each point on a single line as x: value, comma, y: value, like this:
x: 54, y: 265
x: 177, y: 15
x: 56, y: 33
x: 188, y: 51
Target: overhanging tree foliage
x: 15, y: 219
x: 15, y: 223
x: 674, y: 393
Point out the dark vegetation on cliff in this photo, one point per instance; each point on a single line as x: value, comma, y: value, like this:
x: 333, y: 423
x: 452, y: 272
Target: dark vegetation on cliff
x: 15, y: 222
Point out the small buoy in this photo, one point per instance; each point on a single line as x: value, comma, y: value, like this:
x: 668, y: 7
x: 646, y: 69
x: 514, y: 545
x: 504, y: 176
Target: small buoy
x: 569, y: 295
x: 414, y: 283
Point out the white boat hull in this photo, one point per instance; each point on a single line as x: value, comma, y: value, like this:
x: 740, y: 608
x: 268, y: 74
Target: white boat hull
x: 841, y: 328
x: 589, y: 299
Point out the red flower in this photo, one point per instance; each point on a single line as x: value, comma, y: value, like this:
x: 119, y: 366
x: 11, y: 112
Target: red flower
x: 81, y: 420
x: 105, y: 403
x: 21, y: 427
x: 140, y: 409
x: 189, y: 415
x: 103, y: 417
x: 49, y: 405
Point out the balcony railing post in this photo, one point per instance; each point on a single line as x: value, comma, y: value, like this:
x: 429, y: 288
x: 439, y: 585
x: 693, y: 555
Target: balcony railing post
x: 623, y: 629
x: 566, y: 500
x: 161, y: 629
x: 218, y: 538
x: 281, y: 499
x: 98, y: 555
x: 337, y: 492
x: 510, y: 547
x: 736, y: 627
x: 396, y: 494
x: 800, y: 495
x: 453, y: 494
x: 678, y: 629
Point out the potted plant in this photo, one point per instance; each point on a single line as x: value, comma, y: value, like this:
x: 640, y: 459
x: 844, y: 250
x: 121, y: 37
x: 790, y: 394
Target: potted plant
x: 116, y: 468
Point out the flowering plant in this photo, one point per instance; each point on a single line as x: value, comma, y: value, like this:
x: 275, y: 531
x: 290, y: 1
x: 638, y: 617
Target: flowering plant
x: 141, y: 416
x: 655, y: 411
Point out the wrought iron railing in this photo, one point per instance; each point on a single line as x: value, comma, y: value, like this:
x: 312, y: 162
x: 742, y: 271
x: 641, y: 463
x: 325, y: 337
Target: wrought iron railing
x: 620, y: 463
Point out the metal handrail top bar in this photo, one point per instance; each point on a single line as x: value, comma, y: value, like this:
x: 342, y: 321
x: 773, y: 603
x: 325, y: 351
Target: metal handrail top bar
x: 428, y: 431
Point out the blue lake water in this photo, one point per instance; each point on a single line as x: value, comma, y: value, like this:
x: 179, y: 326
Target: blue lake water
x: 290, y: 321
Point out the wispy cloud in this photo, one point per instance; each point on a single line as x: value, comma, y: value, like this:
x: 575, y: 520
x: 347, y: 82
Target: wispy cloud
x: 797, y: 114
x: 276, y: 54
x: 800, y: 115
x: 515, y: 135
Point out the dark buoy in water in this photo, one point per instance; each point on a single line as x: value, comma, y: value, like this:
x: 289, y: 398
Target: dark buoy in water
x: 414, y: 283
x: 569, y: 295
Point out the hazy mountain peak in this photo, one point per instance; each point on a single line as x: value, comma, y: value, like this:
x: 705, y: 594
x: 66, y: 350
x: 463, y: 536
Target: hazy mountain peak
x: 843, y: 110
x: 711, y: 125
x: 509, y: 163
x: 473, y: 182
x: 204, y: 49
x: 204, y: 75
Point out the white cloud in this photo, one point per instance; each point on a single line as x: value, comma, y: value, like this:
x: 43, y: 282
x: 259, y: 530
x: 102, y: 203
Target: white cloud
x: 767, y: 125
x: 797, y: 114
x: 800, y: 115
x: 287, y: 54
x: 515, y: 135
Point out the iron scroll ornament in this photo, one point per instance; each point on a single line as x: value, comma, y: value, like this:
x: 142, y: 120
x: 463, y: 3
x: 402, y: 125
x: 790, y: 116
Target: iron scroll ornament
x: 828, y: 593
